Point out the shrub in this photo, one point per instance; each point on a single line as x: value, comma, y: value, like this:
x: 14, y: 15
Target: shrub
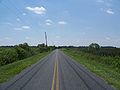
x: 21, y: 53
x: 8, y: 56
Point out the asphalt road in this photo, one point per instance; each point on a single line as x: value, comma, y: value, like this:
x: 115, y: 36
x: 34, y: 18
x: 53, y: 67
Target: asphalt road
x: 56, y: 72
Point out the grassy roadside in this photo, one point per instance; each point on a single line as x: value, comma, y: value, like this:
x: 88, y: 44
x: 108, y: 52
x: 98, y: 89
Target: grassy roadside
x: 106, y: 72
x: 10, y: 70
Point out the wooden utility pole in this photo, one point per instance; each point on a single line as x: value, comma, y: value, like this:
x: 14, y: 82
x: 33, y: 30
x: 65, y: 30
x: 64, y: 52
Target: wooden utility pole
x: 46, y: 38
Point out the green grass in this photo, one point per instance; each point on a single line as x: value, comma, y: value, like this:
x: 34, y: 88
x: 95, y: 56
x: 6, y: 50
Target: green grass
x: 106, y: 72
x: 10, y: 70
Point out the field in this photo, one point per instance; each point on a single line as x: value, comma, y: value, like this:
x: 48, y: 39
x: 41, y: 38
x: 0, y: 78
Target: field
x: 104, y: 62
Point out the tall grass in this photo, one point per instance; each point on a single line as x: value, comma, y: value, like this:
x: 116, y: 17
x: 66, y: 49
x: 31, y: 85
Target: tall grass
x: 109, y: 60
x: 107, y: 67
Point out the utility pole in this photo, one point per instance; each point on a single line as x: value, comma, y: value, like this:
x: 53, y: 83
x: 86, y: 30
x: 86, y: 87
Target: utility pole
x: 46, y: 38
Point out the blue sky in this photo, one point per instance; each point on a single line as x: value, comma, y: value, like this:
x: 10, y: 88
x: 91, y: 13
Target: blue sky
x: 67, y: 22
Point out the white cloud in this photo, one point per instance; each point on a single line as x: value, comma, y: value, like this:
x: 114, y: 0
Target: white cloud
x: 18, y: 29
x: 22, y: 28
x: 24, y: 14
x: 49, y: 22
x: 18, y: 19
x: 37, y: 10
x: 110, y: 11
x: 106, y: 6
x: 62, y: 22
x: 25, y: 27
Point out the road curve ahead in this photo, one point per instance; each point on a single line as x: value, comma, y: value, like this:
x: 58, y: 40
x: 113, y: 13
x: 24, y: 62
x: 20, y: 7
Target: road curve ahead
x: 56, y: 72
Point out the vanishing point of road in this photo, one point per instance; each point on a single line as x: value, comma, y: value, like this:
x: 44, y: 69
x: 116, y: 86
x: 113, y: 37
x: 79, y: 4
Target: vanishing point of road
x: 56, y: 72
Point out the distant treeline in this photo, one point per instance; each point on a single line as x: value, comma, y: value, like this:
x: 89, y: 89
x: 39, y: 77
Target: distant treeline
x: 97, y: 49
x: 9, y: 54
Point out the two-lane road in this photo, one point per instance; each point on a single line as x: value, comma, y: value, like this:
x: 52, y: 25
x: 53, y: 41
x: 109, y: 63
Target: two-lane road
x: 56, y: 72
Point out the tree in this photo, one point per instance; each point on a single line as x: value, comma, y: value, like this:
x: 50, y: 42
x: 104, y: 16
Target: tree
x: 23, y: 51
x: 94, y: 46
x: 41, y: 45
x: 8, y: 56
x: 25, y: 46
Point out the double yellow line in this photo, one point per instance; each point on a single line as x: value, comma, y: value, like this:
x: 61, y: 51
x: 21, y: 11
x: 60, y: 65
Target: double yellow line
x: 55, y: 76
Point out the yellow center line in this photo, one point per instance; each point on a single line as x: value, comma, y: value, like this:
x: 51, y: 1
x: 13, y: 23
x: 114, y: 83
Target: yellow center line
x: 55, y: 76
x: 53, y: 80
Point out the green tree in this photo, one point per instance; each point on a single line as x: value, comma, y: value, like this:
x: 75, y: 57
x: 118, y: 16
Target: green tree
x: 8, y: 56
x: 94, y: 46
x: 22, y: 53
x: 41, y: 45
x: 42, y: 48
x: 25, y: 46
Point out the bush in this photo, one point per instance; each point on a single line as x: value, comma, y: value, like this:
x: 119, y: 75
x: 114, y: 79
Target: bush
x: 8, y: 56
x: 42, y: 48
x: 22, y: 53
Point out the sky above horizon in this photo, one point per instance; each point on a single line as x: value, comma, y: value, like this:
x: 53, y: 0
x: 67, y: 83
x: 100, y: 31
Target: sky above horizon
x: 66, y: 22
